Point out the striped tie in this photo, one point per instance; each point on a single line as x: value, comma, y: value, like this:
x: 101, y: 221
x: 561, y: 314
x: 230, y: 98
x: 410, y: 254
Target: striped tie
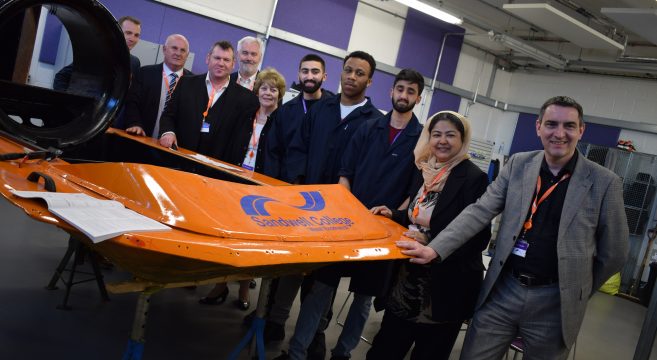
x: 172, y: 86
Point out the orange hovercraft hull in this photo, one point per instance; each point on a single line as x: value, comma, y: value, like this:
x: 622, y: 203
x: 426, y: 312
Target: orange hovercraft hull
x: 218, y: 228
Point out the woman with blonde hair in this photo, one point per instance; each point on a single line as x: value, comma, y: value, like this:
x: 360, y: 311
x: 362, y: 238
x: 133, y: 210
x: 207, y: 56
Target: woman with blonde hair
x: 428, y: 304
x: 247, y: 149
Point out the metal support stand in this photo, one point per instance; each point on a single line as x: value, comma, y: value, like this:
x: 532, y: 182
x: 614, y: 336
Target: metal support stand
x: 648, y: 330
x: 76, y: 248
x: 135, y: 349
x: 256, y: 332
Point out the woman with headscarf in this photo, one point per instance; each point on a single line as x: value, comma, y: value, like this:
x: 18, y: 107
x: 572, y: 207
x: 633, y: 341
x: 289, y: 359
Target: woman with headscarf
x: 428, y: 304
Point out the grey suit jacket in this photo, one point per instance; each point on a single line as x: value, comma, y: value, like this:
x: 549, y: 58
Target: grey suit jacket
x: 593, y: 235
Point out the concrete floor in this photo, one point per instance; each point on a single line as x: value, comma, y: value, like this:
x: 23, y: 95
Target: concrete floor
x: 178, y: 327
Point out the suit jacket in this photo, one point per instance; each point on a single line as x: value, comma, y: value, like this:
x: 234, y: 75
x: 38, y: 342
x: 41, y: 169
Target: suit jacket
x: 233, y: 77
x: 242, y: 137
x: 144, y: 97
x: 184, y: 114
x: 593, y: 235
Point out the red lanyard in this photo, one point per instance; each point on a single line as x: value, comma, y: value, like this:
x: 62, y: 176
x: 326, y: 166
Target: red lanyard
x: 416, y: 209
x: 166, y: 82
x: 528, y: 224
x: 210, y: 99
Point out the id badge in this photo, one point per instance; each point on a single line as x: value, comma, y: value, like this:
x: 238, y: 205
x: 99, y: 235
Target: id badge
x: 520, y: 248
x: 205, y: 128
x: 247, y: 167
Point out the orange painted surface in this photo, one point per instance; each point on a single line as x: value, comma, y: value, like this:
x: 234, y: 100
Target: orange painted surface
x: 219, y: 227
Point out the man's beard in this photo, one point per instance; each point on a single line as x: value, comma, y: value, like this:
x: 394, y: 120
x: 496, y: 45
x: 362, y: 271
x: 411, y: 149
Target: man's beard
x: 250, y: 68
x: 314, y: 86
x: 400, y: 108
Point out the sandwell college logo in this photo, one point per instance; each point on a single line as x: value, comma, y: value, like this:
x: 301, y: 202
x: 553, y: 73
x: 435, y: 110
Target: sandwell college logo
x: 254, y: 206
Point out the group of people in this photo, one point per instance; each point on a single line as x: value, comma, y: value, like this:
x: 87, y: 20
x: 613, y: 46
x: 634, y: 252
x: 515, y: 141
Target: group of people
x: 563, y: 231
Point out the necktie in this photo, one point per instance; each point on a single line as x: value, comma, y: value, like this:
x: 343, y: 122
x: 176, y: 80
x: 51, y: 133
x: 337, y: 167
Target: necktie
x: 172, y: 86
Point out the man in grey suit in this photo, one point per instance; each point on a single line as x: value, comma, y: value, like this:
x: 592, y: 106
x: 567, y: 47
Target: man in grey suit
x: 563, y: 234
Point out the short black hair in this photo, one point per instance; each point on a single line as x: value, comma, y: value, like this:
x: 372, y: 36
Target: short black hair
x: 223, y: 44
x: 458, y: 124
x: 363, y: 56
x: 313, y: 57
x: 565, y: 101
x: 412, y: 77
x: 129, y: 18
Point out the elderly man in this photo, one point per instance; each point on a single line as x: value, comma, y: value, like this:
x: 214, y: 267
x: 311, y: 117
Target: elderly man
x: 154, y: 86
x: 205, y: 109
x: 249, y: 53
x: 563, y: 234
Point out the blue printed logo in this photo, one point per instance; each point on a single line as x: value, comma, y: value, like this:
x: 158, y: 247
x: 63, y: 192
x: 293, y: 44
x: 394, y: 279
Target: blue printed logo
x: 254, y: 205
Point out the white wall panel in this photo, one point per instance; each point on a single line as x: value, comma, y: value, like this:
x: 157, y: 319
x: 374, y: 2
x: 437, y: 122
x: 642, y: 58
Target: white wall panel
x: 377, y: 32
x: 491, y: 124
x: 610, y: 97
x: 643, y: 142
x: 249, y: 14
x: 473, y: 70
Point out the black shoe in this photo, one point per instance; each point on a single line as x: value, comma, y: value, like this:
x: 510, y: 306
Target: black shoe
x: 214, y: 300
x: 252, y: 284
x: 317, y: 348
x: 282, y: 356
x: 273, y: 332
x: 336, y: 357
x: 242, y: 304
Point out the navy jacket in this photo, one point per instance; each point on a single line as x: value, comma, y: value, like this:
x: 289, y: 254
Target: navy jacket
x: 380, y: 172
x: 288, y: 119
x: 315, y: 154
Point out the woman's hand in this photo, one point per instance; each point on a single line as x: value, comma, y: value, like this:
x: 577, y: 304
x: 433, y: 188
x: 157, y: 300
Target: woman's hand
x: 421, y: 254
x: 381, y: 210
x: 422, y: 238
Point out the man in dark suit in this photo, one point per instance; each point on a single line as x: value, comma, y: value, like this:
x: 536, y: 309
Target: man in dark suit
x: 205, y: 109
x: 563, y: 234
x: 153, y: 86
x: 249, y: 55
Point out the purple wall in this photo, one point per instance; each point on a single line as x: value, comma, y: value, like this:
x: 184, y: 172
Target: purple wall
x: 201, y: 32
x: 327, y: 21
x: 160, y: 21
x: 421, y: 42
x: 444, y: 101
x: 50, y: 43
x: 151, y: 15
x: 284, y: 57
x: 379, y: 91
x: 525, y: 138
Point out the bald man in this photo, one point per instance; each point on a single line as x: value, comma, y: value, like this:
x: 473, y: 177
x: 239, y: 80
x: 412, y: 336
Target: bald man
x: 154, y: 85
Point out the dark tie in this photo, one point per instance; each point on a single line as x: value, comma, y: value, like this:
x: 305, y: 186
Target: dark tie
x: 172, y: 86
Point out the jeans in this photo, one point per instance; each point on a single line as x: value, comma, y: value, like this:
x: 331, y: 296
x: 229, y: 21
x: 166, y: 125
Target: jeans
x: 310, y: 314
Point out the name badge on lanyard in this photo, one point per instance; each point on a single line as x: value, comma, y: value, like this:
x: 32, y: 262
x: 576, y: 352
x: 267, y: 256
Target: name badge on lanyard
x: 520, y: 248
x: 205, y: 128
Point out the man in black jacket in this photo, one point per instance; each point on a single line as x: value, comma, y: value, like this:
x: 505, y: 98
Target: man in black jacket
x: 205, y: 109
x: 312, y: 73
x: 154, y: 85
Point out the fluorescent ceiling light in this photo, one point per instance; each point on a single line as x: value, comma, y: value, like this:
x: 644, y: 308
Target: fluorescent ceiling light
x: 529, y: 50
x: 430, y: 10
